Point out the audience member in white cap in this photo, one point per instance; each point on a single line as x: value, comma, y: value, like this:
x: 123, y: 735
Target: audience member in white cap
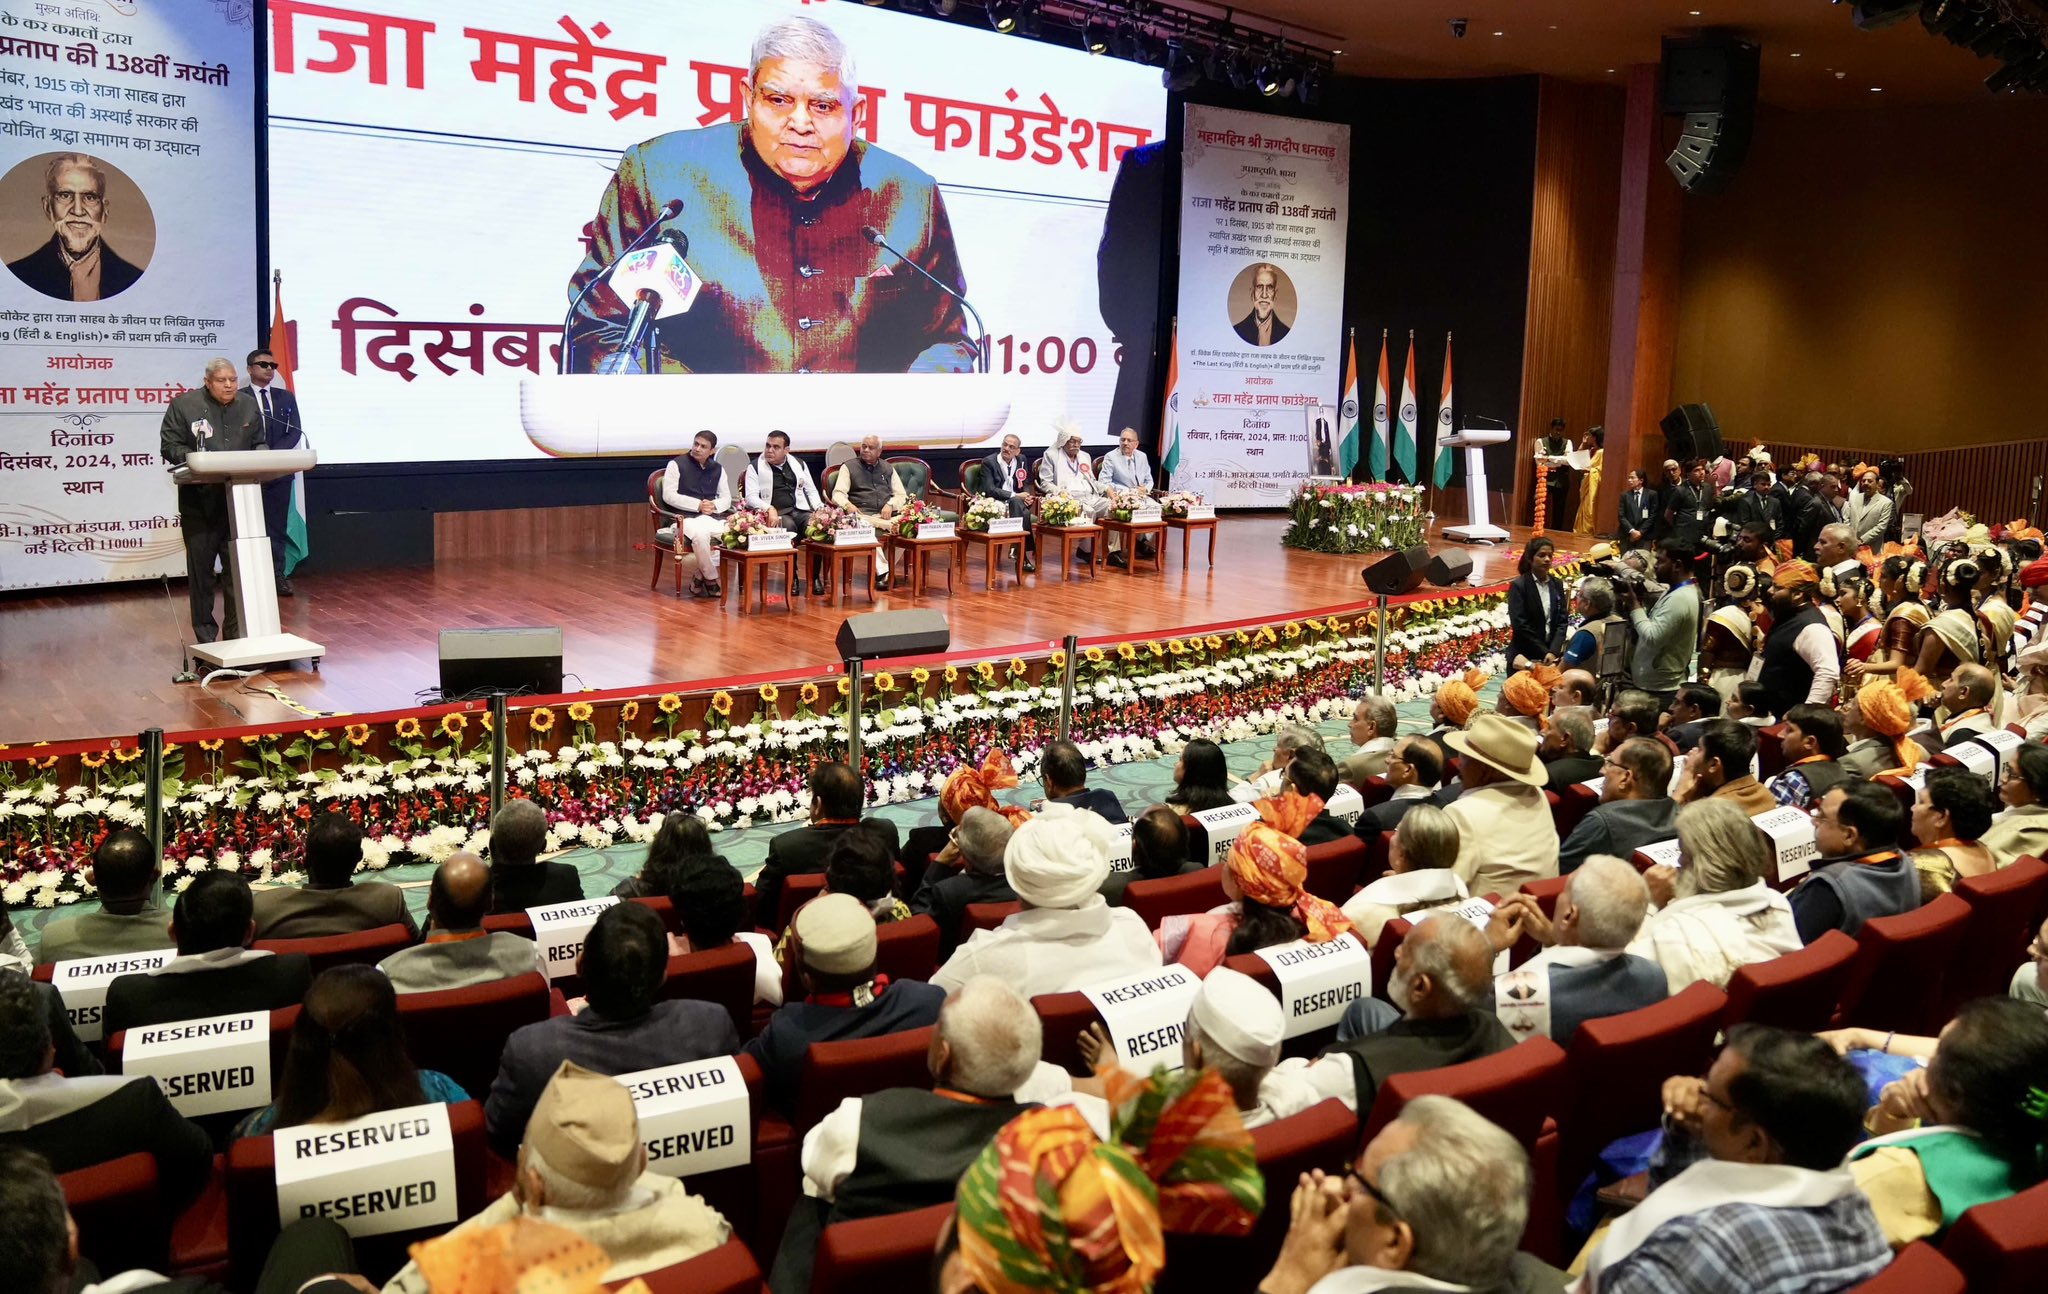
x: 1067, y: 936
x: 834, y: 936
x: 582, y: 1167
x: 1235, y: 1028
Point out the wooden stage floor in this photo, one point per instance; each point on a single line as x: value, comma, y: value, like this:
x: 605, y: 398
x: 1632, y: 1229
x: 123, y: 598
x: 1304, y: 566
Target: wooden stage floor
x: 99, y: 662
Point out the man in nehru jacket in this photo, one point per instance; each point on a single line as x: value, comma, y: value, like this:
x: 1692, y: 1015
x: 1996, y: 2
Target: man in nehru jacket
x: 215, y: 417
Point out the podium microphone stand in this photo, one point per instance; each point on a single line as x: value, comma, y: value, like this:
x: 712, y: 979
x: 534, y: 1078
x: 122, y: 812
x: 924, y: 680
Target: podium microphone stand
x: 1478, y: 527
x: 249, y: 560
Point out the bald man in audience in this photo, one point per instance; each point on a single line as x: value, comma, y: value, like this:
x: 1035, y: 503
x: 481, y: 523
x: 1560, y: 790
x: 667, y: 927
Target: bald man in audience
x: 1374, y: 724
x: 1575, y: 687
x: 1965, y: 702
x: 458, y: 951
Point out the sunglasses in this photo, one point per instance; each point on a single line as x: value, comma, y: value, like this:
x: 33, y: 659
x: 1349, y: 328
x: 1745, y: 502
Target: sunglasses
x: 263, y: 363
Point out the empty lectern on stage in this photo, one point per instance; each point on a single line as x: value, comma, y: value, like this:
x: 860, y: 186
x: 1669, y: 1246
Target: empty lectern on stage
x: 1478, y: 527
x: 244, y: 472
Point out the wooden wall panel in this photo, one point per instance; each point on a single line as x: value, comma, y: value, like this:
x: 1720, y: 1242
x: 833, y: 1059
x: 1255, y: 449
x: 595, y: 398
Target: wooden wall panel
x: 604, y: 528
x: 1571, y: 267
x: 1994, y: 482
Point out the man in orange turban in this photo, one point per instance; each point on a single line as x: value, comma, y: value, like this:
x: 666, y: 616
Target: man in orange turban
x: 1457, y: 700
x: 975, y: 788
x: 1801, y: 660
x: 1526, y: 695
x: 1886, y: 709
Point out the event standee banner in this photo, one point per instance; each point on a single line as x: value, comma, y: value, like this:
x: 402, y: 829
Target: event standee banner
x: 127, y: 218
x: 1264, y: 207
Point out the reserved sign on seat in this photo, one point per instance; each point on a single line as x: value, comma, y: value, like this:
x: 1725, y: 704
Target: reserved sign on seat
x: 1120, y: 847
x: 82, y: 983
x: 694, y: 1117
x: 207, y: 1066
x: 1146, y: 1014
x: 560, y: 928
x: 1345, y: 804
x: 393, y: 1171
x: 1224, y: 826
x: 1318, y: 982
x: 1792, y: 840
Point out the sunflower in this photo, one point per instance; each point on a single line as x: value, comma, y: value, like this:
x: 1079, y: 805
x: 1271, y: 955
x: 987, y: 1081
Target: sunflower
x: 808, y: 694
x: 1095, y: 655
x: 1058, y: 660
x: 358, y: 734
x: 1242, y: 638
x: 316, y: 734
x: 218, y: 742
x: 1156, y: 648
x: 721, y: 703
x: 987, y: 670
x: 408, y: 727
x: 951, y: 675
x: 629, y: 712
x: 580, y: 712
x: 1177, y: 647
x: 920, y: 676
x: 128, y: 754
x: 453, y: 723
x: 1017, y: 667
x: 1293, y: 629
x: 1215, y: 642
x: 484, y: 718
x: 541, y: 720
x: 769, y: 694
x: 669, y: 703
x: 842, y: 685
x: 1125, y: 651
x: 90, y: 760
x: 885, y: 682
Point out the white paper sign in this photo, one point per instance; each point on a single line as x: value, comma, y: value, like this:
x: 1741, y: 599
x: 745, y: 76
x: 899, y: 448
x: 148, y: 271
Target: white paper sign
x: 1006, y: 526
x: 855, y: 537
x: 1981, y: 760
x: 82, y: 983
x: 1147, y: 517
x: 2002, y: 744
x: 206, y: 1066
x: 1475, y: 909
x: 1120, y: 848
x: 694, y: 1118
x: 1146, y: 1014
x: 559, y: 929
x: 1201, y: 512
x: 1346, y: 804
x: 769, y: 541
x: 393, y: 1171
x: 1318, y: 982
x: 1662, y: 853
x: 1224, y: 826
x: 1597, y: 785
x: 1791, y: 833
x: 936, y: 530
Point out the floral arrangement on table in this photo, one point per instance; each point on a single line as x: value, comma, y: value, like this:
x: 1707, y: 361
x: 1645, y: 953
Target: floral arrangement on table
x: 1367, y: 518
x: 916, y: 513
x: 1059, y: 509
x: 1177, y: 503
x: 1124, y: 502
x: 830, y: 520
x: 609, y: 776
x: 982, y: 509
x: 745, y: 522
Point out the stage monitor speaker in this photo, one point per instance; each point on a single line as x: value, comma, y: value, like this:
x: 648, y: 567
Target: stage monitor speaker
x: 1399, y: 572
x: 524, y: 662
x: 1450, y: 567
x: 1691, y: 431
x: 893, y: 633
x: 1711, y: 80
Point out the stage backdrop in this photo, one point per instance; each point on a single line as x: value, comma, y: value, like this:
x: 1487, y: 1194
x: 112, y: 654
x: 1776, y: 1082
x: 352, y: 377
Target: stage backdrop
x: 126, y: 180
x: 1264, y: 205
x: 435, y: 164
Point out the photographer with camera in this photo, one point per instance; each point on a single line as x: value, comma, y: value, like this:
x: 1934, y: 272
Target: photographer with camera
x: 1667, y: 632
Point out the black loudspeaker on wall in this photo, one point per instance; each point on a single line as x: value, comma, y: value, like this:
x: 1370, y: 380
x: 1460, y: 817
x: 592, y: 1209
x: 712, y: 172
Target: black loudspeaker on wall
x: 1711, y: 80
x: 1400, y: 572
x: 1691, y: 431
x: 1452, y: 566
x: 893, y: 633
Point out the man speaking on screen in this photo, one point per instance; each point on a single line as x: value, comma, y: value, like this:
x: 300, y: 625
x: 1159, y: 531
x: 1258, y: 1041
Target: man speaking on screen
x: 774, y: 207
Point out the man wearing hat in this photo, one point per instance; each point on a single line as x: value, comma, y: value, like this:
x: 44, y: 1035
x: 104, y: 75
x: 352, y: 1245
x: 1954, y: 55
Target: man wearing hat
x: 1455, y: 702
x: 1505, y: 832
x: 1802, y: 659
x: 582, y: 1167
x: 843, y: 996
x: 1235, y: 1028
x: 1066, y: 469
x: 1067, y: 936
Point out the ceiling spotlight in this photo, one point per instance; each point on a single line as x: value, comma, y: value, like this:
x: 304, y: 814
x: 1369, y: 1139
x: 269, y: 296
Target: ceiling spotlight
x: 1183, y: 72
x: 1002, y: 15
x: 945, y: 8
x: 1237, y: 69
x: 1310, y: 87
x: 1124, y: 43
x: 1095, y: 36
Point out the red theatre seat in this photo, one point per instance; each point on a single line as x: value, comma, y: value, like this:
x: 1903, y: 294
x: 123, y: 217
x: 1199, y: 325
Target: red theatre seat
x: 1517, y: 1089
x: 1795, y: 991
x: 1616, y: 1068
x: 462, y: 1031
x: 664, y: 908
x: 517, y: 923
x: 908, y: 949
x: 834, y: 1071
x: 986, y: 916
x: 1392, y: 935
x: 2005, y: 908
x: 886, y: 1253
x: 119, y: 1210
x: 1770, y: 751
x: 2002, y: 1248
x: 728, y: 1269
x: 1175, y: 896
x: 1063, y: 1016
x: 1333, y: 868
x: 363, y: 948
x: 722, y: 975
x: 1919, y: 1269
x: 797, y: 890
x: 1375, y: 790
x: 1378, y: 857
x: 1901, y: 967
x: 1574, y: 803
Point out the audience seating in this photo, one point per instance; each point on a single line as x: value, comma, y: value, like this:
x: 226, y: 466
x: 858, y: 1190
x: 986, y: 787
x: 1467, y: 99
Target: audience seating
x: 1063, y: 1016
x: 1546, y: 893
x: 797, y: 890
x: 1794, y: 991
x: 119, y: 1209
x: 1900, y: 967
x: 2002, y: 1248
x: 665, y: 523
x: 738, y: 1192
x: 462, y: 1031
x: 252, y: 1202
x: 1375, y: 790
x: 834, y: 1071
x: 516, y: 923
x: 908, y: 949
x: 1175, y: 896
x: 721, y: 975
x: 1378, y: 858
x: 1384, y: 952
x: 1574, y: 802
x: 1770, y: 751
x: 728, y: 1269
x: 886, y: 1253
x: 2005, y: 907
x: 1517, y: 1089
x: 363, y: 948
x: 986, y: 916
x: 1902, y: 792
x: 1333, y: 868
x: 1198, y: 838
x: 1918, y: 1269
x: 662, y: 906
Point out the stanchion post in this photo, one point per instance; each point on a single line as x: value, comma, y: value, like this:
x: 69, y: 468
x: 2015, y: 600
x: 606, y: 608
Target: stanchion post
x: 853, y: 743
x: 152, y: 741
x: 497, y: 752
x: 1379, y: 645
x: 1066, y: 716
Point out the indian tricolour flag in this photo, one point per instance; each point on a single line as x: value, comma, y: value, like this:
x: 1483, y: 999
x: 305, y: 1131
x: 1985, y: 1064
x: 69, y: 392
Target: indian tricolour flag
x: 1347, y: 416
x: 1381, y: 425
x: 283, y: 335
x: 1405, y: 428
x: 1169, y: 418
x: 1443, y: 423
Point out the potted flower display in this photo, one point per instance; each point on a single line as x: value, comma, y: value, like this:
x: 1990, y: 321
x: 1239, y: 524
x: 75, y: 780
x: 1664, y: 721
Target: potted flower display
x: 980, y: 511
x: 916, y: 513
x: 829, y: 521
x: 1059, y: 509
x: 1124, y: 503
x: 742, y: 525
x: 1177, y: 503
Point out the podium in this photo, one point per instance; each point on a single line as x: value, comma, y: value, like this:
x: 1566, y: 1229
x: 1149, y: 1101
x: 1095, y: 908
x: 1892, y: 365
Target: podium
x: 244, y: 472
x: 1478, y: 527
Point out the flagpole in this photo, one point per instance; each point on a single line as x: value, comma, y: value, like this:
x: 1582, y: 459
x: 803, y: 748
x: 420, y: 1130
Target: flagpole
x: 1357, y: 424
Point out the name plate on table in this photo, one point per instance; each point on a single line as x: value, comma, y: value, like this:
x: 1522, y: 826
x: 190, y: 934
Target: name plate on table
x: 853, y: 538
x: 1319, y: 981
x: 393, y: 1171
x: 207, y: 1066
x: 1147, y: 1014
x: 1147, y: 517
x: 559, y: 929
x: 1225, y: 825
x: 1346, y: 805
x: 1792, y: 840
x: 1120, y: 848
x: 1662, y: 853
x: 1201, y: 512
x: 694, y: 1118
x: 769, y: 541
x: 937, y: 530
x: 82, y: 983
x: 1006, y: 525
x: 2002, y: 744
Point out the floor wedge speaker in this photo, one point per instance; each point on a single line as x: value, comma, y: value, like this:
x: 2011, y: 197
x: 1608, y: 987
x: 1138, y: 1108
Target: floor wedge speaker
x: 893, y: 633
x: 1398, y: 572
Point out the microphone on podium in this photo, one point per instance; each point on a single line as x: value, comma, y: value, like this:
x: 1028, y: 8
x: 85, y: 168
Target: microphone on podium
x: 980, y: 347
x: 669, y: 211
x: 658, y: 282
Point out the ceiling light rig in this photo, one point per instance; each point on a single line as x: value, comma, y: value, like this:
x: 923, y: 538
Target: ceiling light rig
x: 2012, y: 33
x: 1187, y: 46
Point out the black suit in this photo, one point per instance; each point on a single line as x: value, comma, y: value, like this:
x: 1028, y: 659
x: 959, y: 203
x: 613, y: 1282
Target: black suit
x: 1384, y: 816
x: 1248, y: 329
x: 945, y: 894
x: 1536, y: 635
x: 282, y: 429
x: 135, y: 1117
x: 1324, y: 828
x: 520, y: 886
x: 1641, y: 511
x: 260, y: 984
x: 45, y: 271
x: 793, y: 853
x: 1100, y: 801
x: 1569, y: 770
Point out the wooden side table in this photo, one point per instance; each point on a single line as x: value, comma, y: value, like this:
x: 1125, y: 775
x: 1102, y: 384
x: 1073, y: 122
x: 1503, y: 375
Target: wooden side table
x: 1133, y: 531
x: 756, y: 565
x: 839, y: 561
x: 1187, y: 528
x: 993, y: 549
x: 915, y: 555
x: 1062, y: 536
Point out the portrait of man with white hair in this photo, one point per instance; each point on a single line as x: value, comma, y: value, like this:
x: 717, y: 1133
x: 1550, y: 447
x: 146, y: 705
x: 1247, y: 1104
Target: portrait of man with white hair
x: 76, y: 263
x: 776, y: 209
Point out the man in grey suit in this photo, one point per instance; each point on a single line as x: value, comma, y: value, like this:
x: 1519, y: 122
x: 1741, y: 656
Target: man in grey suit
x: 1585, y: 968
x: 331, y: 902
x: 123, y: 873
x: 459, y: 952
x: 1006, y: 476
x: 1635, y: 806
x: 1128, y: 469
